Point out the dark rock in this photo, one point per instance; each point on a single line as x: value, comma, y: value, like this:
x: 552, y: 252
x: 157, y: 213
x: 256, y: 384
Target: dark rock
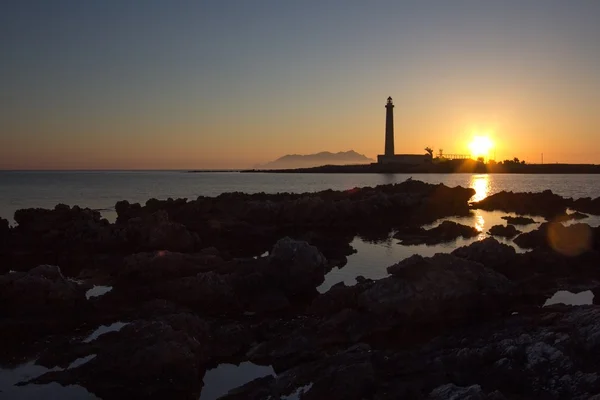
x: 544, y: 271
x: 546, y: 203
x: 126, y: 211
x: 335, y: 245
x: 36, y: 304
x: 165, y: 358
x: 37, y: 220
x: 4, y: 231
x: 587, y: 205
x: 348, y: 374
x: 451, y: 391
x: 548, y: 361
x: 337, y: 298
x: 207, y: 293
x: 43, y: 291
x: 441, y: 202
x: 549, y: 354
x: 441, y: 288
x: 445, y: 232
x: 157, y: 232
x: 519, y: 220
x: 160, y: 266
x: 231, y: 213
x: 507, y: 231
x: 535, y: 238
x: 240, y: 225
x: 577, y: 215
x: 438, y: 327
x: 295, y: 266
x: 489, y: 252
x: 269, y: 301
x: 211, y: 251
x: 362, y: 279
x: 570, y: 217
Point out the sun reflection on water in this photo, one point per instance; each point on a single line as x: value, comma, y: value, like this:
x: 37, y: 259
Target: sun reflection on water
x: 481, y: 184
x: 479, y: 222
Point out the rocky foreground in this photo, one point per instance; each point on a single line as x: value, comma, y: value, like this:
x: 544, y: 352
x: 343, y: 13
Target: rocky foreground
x: 192, y: 290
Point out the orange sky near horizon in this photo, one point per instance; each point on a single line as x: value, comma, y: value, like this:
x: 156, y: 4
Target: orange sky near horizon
x: 204, y: 86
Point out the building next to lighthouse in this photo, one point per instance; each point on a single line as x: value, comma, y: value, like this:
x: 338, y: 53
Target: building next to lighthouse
x: 390, y: 156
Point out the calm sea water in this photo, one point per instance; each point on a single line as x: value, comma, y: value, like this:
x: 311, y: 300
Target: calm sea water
x: 102, y: 189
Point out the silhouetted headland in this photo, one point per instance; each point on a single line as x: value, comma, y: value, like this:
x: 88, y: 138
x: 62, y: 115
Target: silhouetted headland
x: 447, y: 167
x: 314, y: 160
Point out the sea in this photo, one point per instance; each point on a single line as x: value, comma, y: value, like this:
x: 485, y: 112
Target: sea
x: 100, y: 190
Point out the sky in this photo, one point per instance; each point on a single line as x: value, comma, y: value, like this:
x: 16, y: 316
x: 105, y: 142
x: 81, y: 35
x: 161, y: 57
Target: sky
x: 148, y: 84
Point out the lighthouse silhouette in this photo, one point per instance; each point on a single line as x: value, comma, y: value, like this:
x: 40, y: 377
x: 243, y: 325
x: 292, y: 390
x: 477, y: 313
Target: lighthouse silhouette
x: 389, y: 127
x: 389, y: 156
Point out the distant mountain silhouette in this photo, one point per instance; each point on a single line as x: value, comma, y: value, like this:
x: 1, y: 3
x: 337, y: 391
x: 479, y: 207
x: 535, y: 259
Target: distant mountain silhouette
x: 315, y: 160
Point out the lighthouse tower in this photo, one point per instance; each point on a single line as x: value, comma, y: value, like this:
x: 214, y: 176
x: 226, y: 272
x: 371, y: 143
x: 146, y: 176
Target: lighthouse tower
x: 390, y: 156
x: 389, y: 128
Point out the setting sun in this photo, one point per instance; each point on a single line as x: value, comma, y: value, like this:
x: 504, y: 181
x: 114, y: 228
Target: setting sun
x: 480, y: 146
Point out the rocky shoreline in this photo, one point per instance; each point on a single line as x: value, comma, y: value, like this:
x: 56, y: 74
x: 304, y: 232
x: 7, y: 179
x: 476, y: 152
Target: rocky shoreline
x: 182, y: 287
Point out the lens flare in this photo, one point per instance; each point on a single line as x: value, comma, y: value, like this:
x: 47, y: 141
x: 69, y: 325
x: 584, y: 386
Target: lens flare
x: 571, y: 240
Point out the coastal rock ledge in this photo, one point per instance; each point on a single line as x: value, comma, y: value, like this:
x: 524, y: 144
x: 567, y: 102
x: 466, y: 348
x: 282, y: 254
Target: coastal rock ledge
x: 188, y: 286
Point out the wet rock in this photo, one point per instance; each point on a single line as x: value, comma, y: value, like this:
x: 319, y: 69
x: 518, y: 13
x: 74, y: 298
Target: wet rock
x: 445, y: 232
x: 518, y: 220
x: 546, y: 203
x: 507, y: 231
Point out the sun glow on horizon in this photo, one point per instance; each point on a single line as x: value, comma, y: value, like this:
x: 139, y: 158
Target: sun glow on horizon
x: 480, y: 146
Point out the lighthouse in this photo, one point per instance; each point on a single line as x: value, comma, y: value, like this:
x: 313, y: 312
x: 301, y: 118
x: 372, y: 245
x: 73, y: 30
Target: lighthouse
x: 389, y: 127
x: 389, y: 156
